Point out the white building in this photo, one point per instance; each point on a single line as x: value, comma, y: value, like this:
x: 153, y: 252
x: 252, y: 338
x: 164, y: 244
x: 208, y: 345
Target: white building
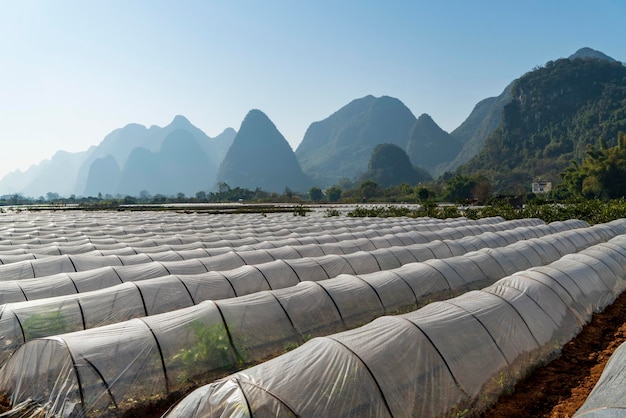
x: 541, y: 186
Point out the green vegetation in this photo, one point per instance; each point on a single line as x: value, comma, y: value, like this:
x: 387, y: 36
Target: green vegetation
x: 211, y: 347
x: 555, y: 112
x: 390, y: 165
x: 601, y: 175
x: 593, y: 211
x: 44, y: 324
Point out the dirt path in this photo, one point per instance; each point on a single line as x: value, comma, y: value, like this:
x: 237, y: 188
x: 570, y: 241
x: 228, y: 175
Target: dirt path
x: 560, y: 388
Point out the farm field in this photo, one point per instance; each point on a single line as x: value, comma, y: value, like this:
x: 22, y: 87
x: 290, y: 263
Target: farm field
x: 125, y: 313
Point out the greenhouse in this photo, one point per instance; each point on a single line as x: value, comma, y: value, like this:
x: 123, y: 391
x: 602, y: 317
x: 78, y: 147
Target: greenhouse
x: 608, y: 397
x: 76, y: 282
x: 447, y: 358
x: 13, y: 269
x: 23, y: 321
x: 109, y: 368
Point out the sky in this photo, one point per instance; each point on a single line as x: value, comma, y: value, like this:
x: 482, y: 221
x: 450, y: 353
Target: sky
x: 72, y: 71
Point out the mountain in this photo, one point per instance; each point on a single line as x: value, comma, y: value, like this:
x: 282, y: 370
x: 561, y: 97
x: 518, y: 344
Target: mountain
x: 103, y: 177
x: 390, y: 165
x: 340, y: 145
x: 180, y: 166
x: 121, y: 142
x: 260, y: 156
x: 75, y: 173
x: 554, y: 113
x: 588, y: 53
x: 430, y: 146
x: 55, y: 175
x: 474, y: 131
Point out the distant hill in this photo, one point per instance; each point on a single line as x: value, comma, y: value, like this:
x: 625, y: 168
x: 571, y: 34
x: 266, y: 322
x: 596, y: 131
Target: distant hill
x: 340, y: 145
x: 121, y: 142
x: 55, y: 175
x: 260, y: 156
x: 474, y: 131
x: 103, y: 177
x: 554, y: 113
x: 588, y: 53
x: 73, y: 173
x: 389, y: 165
x: 180, y: 166
x: 429, y: 145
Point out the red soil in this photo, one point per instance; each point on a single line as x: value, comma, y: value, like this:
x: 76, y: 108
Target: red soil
x: 558, y: 389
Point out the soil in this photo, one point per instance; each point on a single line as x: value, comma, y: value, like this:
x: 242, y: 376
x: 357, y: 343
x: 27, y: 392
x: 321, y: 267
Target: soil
x: 558, y: 389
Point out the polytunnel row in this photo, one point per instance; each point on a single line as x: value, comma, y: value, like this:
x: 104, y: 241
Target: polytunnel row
x: 283, y: 228
x: 24, y: 321
x: 217, y: 244
x: 195, y: 263
x: 109, y: 366
x: 99, y: 278
x: 153, y: 239
x: 150, y: 221
x: 448, y: 358
x: 608, y: 397
x: 241, y: 232
x: 191, y: 247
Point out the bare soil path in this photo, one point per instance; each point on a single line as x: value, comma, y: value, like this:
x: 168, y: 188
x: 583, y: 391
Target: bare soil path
x: 562, y: 386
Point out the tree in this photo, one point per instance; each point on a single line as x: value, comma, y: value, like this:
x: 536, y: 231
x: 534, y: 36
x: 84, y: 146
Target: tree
x: 601, y: 175
x: 423, y: 193
x: 333, y: 193
x: 201, y: 195
x: 459, y: 188
x: 482, y: 191
x: 51, y: 196
x: 315, y: 194
x: 368, y: 189
x: 389, y: 166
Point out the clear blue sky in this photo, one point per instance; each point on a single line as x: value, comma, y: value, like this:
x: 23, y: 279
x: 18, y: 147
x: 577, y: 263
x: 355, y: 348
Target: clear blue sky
x: 72, y: 71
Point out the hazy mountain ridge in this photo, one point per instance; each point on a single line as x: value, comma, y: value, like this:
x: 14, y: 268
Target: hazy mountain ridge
x: 71, y: 173
x: 180, y: 157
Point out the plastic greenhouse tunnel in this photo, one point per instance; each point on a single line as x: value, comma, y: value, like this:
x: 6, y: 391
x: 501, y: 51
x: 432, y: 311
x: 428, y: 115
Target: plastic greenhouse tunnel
x: 447, y: 358
x: 111, y: 367
x: 24, y: 321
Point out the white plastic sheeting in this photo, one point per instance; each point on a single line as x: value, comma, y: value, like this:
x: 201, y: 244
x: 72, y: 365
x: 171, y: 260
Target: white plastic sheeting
x: 97, y: 278
x: 106, y: 367
x: 448, y: 358
x: 46, y: 266
x: 23, y: 321
x: 608, y: 397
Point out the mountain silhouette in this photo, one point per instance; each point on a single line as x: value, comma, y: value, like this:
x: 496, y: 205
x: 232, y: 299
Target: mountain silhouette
x: 180, y: 166
x: 429, y: 145
x: 340, y: 146
x: 260, y: 156
x: 103, y: 177
x: 390, y: 166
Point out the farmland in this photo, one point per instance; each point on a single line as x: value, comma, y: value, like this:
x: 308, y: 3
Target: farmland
x: 123, y: 313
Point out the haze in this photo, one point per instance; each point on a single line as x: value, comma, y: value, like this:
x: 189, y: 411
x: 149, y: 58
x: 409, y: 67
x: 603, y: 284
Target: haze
x: 72, y: 71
